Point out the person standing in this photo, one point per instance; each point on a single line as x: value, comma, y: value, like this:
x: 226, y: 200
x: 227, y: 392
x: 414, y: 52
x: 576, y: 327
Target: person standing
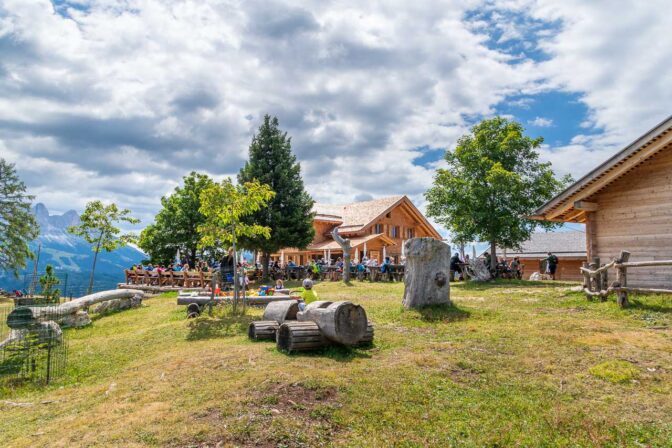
x: 551, y: 265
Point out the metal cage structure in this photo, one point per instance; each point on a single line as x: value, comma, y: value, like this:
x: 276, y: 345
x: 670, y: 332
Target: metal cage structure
x: 33, y: 347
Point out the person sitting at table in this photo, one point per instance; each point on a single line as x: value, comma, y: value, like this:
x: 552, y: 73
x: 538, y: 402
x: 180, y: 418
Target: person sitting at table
x: 291, y: 264
x: 385, y: 266
x: 185, y: 267
x: 339, y: 263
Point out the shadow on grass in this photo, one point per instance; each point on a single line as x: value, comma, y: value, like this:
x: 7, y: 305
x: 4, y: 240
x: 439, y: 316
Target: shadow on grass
x: 337, y: 353
x: 662, y: 306
x: 501, y: 284
x: 204, y: 327
x: 443, y: 313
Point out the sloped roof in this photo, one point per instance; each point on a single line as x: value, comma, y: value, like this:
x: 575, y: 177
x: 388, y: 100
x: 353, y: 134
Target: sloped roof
x: 358, y: 214
x: 569, y: 244
x: 563, y: 206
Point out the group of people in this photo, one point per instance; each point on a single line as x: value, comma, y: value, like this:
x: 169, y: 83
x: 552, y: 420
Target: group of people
x: 201, y: 266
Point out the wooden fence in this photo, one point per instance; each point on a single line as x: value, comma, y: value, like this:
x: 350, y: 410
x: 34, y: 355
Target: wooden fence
x: 596, y: 278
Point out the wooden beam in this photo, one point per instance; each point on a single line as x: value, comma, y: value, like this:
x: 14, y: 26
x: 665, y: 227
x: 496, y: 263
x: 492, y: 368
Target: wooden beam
x: 586, y: 206
x: 591, y: 186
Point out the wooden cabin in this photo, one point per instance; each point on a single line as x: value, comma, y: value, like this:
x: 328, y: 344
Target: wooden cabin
x: 376, y: 229
x: 569, y: 247
x: 626, y: 204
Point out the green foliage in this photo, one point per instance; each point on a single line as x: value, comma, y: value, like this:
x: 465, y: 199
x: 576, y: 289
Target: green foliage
x: 615, y: 371
x: 225, y: 205
x: 288, y: 214
x: 176, y: 225
x: 48, y: 283
x: 492, y: 182
x: 98, y: 226
x: 17, y: 223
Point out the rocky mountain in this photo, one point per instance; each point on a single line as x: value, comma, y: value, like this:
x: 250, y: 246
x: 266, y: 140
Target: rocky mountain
x: 71, y: 255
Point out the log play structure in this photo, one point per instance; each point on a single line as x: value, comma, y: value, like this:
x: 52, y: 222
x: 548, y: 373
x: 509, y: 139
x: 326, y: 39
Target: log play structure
x: 320, y: 324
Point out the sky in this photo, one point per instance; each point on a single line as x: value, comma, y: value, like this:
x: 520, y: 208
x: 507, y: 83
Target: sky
x: 118, y: 99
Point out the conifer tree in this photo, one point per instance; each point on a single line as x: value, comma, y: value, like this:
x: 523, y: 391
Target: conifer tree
x: 288, y: 214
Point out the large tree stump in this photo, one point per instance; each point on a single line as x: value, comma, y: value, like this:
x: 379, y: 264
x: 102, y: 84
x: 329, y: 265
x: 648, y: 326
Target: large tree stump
x: 342, y: 322
x: 427, y: 268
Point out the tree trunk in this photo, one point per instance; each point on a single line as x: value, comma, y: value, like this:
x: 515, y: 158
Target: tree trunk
x: 426, y: 278
x: 263, y: 329
x: 265, y: 257
x: 281, y: 311
x: 493, y: 257
x: 342, y: 322
x: 93, y: 269
x: 300, y: 336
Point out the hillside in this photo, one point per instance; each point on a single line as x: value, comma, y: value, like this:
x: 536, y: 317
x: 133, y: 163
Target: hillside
x: 512, y: 364
x: 71, y: 254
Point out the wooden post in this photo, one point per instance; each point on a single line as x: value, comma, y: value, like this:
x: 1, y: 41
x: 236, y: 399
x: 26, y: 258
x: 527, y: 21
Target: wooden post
x: 622, y: 279
x: 604, y: 286
x: 586, y: 278
x: 597, y: 278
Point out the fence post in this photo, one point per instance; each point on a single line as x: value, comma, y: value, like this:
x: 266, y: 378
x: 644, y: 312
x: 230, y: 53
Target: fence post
x: 586, y: 278
x: 604, y: 286
x: 622, y: 279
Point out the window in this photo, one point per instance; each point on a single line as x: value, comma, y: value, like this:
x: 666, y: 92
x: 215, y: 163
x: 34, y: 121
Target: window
x: 378, y: 228
x: 410, y: 233
x: 395, y: 233
x: 388, y: 215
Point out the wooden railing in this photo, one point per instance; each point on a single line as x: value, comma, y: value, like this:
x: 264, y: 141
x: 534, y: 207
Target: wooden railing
x: 596, y: 278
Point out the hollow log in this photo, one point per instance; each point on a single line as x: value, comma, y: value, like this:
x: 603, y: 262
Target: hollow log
x: 300, y: 336
x: 263, y: 329
x: 342, y: 322
x: 281, y: 311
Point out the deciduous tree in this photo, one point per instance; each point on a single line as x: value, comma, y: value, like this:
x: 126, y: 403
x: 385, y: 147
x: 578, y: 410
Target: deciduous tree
x: 492, y: 182
x: 17, y: 224
x: 98, y: 226
x: 176, y: 225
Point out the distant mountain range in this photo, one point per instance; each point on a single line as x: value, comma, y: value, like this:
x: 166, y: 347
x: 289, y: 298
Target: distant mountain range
x: 72, y: 256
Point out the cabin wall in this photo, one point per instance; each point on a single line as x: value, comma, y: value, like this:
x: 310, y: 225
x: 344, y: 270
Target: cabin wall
x: 635, y: 214
x: 322, y: 231
x: 568, y: 268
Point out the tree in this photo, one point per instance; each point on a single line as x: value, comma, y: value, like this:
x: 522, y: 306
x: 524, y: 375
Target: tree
x: 17, y: 224
x: 492, y: 183
x: 289, y: 213
x: 176, y: 225
x: 48, y: 281
x: 98, y: 226
x: 225, y: 206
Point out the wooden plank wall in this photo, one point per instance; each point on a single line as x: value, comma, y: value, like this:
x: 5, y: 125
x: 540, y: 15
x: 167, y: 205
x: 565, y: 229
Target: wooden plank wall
x: 635, y: 214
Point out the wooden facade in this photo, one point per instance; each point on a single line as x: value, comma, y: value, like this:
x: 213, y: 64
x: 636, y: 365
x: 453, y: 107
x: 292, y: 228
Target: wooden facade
x: 375, y: 228
x: 626, y: 204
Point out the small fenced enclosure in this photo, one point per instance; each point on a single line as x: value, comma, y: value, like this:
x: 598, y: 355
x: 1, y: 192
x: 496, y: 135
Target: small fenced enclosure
x: 596, y: 278
x: 31, y: 349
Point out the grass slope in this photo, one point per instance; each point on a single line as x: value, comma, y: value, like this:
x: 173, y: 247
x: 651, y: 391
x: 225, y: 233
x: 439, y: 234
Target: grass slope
x: 512, y: 364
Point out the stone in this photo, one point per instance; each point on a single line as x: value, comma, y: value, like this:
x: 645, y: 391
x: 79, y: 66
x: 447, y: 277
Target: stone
x: 427, y: 273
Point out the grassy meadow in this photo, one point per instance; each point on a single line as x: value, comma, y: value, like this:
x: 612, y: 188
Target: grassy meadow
x: 510, y: 364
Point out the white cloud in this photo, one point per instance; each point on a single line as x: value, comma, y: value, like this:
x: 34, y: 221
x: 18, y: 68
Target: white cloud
x: 118, y: 99
x: 541, y: 122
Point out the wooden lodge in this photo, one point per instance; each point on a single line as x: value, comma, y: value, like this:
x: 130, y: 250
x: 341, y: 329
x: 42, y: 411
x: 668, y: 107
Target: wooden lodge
x: 376, y: 228
x: 626, y: 204
x: 569, y: 247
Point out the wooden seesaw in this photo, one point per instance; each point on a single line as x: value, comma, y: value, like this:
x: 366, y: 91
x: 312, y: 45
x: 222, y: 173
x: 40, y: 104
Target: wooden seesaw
x: 319, y: 325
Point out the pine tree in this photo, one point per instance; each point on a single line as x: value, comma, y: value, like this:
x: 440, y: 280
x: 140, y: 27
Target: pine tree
x: 288, y: 214
x: 17, y: 224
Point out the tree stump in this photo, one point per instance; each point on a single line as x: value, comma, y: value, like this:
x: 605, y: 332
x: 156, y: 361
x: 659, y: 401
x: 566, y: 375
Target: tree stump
x: 263, y: 329
x: 300, y: 336
x: 426, y: 278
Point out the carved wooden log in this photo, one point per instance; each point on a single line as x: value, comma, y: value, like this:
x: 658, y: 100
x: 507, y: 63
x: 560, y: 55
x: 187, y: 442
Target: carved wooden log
x: 346, y: 247
x: 263, y: 329
x: 427, y: 269
x: 66, y: 309
x: 300, y: 336
x: 281, y: 311
x: 342, y: 322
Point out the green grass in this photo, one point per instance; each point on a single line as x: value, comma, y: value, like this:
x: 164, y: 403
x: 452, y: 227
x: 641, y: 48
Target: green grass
x: 510, y: 364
